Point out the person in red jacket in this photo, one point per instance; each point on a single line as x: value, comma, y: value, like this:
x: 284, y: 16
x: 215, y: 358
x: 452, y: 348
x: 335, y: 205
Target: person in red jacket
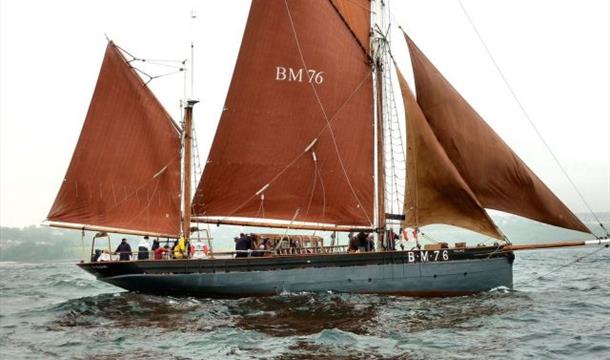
x: 161, y: 251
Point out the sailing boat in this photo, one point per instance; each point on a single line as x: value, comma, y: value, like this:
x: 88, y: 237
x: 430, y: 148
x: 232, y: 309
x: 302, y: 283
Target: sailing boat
x: 300, y: 145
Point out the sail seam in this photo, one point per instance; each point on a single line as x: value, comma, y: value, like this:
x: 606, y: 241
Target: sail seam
x: 331, y: 132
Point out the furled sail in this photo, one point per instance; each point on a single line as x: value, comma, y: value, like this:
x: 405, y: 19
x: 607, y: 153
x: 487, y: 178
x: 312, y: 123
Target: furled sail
x: 436, y: 193
x: 295, y: 140
x: 125, y: 171
x: 496, y: 175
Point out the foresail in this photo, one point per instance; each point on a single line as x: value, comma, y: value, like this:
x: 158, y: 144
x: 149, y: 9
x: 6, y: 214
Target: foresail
x: 295, y: 140
x: 125, y: 171
x: 496, y: 175
x: 436, y: 193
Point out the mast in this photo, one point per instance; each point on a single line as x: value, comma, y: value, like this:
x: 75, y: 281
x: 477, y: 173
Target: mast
x: 377, y: 46
x: 380, y: 160
x: 188, y: 140
x: 186, y: 193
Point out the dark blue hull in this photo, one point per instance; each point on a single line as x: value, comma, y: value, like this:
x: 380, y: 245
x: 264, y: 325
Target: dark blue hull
x: 411, y: 273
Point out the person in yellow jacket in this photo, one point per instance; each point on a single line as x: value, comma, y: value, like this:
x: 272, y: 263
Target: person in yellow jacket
x: 180, y: 249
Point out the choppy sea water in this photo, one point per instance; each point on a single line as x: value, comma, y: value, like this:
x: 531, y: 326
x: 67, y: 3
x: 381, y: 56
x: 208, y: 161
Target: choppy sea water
x: 55, y: 310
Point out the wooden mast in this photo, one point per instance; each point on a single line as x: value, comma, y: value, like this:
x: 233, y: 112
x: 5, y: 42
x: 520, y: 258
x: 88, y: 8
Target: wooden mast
x: 186, y: 193
x: 380, y: 159
x: 378, y: 46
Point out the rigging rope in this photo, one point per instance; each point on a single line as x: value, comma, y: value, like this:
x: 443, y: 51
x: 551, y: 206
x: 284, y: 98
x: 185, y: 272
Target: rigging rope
x: 154, y: 62
x: 525, y: 113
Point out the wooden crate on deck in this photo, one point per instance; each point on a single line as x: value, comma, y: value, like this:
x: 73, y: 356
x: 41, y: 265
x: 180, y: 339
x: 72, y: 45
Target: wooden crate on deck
x: 437, y: 246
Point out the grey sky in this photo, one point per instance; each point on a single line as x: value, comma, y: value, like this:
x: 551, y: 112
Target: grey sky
x: 555, y: 53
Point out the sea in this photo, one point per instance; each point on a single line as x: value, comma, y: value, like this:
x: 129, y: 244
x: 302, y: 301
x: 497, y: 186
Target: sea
x: 559, y: 309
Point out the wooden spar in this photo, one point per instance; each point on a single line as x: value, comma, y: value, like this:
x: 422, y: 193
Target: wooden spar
x: 380, y: 159
x: 295, y: 226
x: 378, y: 43
x: 106, y: 229
x: 186, y: 192
x: 513, y: 247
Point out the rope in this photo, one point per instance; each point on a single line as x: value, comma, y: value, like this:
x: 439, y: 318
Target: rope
x: 525, y: 113
x: 330, y: 129
x: 561, y: 267
x: 154, y: 62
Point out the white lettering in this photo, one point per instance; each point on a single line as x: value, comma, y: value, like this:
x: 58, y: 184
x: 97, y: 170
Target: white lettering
x: 411, y: 256
x: 436, y: 255
x: 280, y: 73
x: 312, y: 73
x: 290, y: 74
x: 423, y: 255
x: 295, y: 76
x: 319, y: 78
x: 445, y: 255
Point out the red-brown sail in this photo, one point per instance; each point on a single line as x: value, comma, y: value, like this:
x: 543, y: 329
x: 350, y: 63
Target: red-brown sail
x: 125, y: 171
x: 436, y: 193
x: 496, y: 175
x: 357, y: 15
x: 301, y: 86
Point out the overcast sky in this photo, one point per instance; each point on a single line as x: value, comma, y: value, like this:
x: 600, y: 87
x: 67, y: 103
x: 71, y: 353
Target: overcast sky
x: 555, y: 54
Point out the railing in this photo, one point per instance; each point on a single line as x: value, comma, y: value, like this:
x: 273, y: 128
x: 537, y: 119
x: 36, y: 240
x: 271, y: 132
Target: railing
x: 104, y: 255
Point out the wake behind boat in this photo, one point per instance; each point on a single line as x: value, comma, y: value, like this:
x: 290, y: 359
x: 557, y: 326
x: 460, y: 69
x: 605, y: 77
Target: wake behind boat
x: 308, y: 139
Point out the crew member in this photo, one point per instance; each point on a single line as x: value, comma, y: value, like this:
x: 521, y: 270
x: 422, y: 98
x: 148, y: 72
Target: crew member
x: 180, y: 251
x: 124, y: 250
x: 144, y: 249
x: 242, y: 245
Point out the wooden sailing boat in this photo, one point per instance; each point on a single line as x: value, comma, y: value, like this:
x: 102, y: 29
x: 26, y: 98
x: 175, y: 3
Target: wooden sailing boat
x: 300, y: 145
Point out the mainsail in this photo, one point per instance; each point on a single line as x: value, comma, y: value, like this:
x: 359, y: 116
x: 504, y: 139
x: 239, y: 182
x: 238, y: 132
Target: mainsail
x: 436, y: 193
x: 496, y: 175
x: 125, y: 171
x: 295, y: 140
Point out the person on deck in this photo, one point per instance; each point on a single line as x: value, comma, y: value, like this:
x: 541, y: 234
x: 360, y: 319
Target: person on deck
x: 161, y: 251
x: 391, y: 239
x: 242, y: 245
x: 362, y: 240
x: 180, y: 251
x: 124, y: 250
x: 370, y: 243
x: 353, y: 243
x: 155, y: 245
x: 144, y: 249
x: 104, y: 256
